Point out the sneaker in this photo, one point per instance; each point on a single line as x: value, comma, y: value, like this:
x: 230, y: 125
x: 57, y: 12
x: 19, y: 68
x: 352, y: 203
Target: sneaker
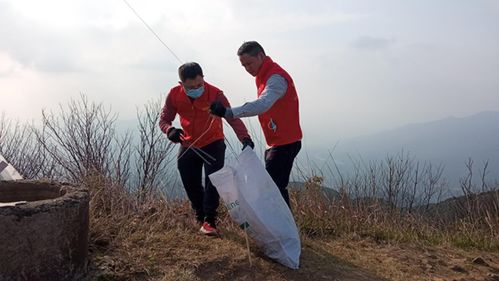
x: 209, y: 230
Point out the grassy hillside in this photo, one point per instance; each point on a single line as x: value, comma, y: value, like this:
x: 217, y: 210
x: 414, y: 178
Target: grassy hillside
x: 157, y: 239
x: 381, y: 223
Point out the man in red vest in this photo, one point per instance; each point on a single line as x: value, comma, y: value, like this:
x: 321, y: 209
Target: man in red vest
x: 277, y: 110
x: 201, y: 139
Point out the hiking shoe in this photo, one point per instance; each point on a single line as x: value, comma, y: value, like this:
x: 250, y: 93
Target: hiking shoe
x: 209, y: 230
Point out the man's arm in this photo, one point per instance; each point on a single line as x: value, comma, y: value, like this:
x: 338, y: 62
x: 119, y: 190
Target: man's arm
x: 168, y: 114
x: 275, y: 89
x: 236, y: 123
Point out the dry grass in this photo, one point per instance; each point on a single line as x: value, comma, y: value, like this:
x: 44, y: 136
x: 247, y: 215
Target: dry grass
x: 322, y: 217
x: 158, y: 240
x: 382, y: 211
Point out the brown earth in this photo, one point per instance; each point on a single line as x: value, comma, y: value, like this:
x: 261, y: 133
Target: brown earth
x: 183, y: 254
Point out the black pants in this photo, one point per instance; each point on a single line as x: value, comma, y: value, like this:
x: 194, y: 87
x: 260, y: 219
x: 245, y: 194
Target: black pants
x: 204, y: 200
x: 279, y: 162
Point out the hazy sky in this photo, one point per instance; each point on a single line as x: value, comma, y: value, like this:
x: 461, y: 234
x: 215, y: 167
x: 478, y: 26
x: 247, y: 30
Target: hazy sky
x: 359, y: 66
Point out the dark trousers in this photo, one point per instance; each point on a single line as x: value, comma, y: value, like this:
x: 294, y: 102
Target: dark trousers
x: 204, y: 200
x: 279, y: 162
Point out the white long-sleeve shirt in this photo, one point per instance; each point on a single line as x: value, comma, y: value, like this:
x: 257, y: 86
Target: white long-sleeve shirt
x: 275, y: 89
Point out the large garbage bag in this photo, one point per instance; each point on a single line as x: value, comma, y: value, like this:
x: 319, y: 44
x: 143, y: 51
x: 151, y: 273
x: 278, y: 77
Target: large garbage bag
x: 256, y: 205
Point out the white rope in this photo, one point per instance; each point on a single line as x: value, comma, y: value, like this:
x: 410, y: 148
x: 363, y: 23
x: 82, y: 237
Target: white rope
x: 231, y: 148
x: 200, y: 156
x: 150, y: 29
x: 196, y: 140
x: 191, y: 146
x: 206, y: 154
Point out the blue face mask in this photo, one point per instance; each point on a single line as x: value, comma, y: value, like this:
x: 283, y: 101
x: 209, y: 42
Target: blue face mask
x: 195, y: 93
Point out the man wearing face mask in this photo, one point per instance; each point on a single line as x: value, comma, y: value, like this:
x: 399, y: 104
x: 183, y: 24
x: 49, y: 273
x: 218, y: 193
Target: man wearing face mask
x: 201, y: 139
x: 277, y: 111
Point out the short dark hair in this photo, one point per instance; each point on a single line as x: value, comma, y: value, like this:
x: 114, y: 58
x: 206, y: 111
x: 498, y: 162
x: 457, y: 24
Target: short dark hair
x: 251, y: 48
x: 189, y: 70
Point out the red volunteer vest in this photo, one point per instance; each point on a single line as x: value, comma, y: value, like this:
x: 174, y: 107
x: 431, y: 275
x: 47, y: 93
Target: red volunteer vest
x: 195, y: 119
x: 281, y: 123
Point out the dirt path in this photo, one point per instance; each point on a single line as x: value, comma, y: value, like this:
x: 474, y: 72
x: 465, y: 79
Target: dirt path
x: 316, y: 264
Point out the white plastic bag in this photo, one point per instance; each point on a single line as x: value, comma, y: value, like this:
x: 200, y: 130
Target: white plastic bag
x: 255, y: 203
x: 7, y: 172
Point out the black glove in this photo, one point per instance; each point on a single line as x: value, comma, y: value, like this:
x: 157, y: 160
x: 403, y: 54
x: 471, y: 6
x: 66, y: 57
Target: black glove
x: 248, y: 142
x: 174, y: 134
x: 218, y: 109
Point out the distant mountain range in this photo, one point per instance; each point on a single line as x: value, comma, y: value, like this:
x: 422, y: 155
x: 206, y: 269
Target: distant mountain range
x: 457, y: 207
x: 451, y: 142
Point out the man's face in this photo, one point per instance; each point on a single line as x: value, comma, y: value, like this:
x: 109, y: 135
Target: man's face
x: 195, y: 83
x: 252, y: 64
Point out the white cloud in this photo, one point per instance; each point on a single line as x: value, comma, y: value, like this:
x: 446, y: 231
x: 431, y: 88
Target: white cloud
x: 372, y: 43
x: 8, y: 65
x: 55, y: 49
